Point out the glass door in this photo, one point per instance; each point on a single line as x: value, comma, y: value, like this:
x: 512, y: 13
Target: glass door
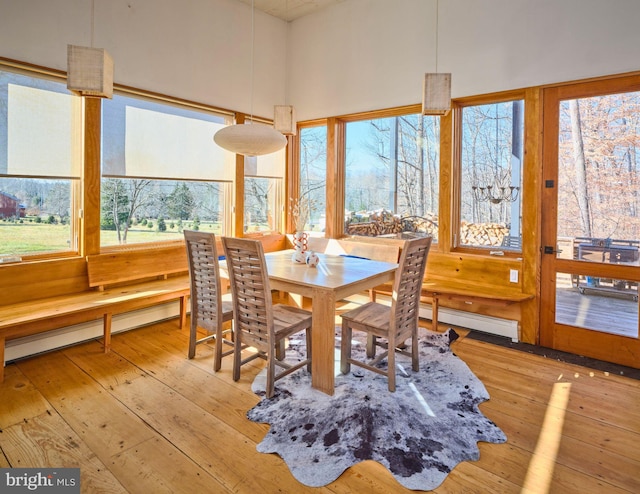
x: 591, y: 220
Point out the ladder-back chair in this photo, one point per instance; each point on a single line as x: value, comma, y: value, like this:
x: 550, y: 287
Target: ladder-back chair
x: 395, y: 324
x: 257, y: 322
x: 208, y: 310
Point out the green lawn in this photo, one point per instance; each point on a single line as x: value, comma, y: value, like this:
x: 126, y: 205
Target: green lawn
x: 32, y: 238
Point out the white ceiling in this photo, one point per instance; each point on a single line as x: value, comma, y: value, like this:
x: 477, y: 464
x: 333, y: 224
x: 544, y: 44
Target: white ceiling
x: 290, y: 10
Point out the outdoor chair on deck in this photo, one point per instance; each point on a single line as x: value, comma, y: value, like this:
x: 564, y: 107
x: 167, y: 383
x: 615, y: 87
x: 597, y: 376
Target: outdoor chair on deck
x: 259, y: 323
x: 395, y: 324
x: 208, y: 310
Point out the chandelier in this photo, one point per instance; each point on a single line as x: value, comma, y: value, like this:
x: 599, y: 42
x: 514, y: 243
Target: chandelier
x: 495, y: 195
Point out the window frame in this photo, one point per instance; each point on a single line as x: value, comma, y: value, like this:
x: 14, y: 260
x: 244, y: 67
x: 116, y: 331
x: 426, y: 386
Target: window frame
x: 456, y: 169
x: 397, y: 113
x: 179, y: 104
x: 336, y: 165
x: 76, y: 184
x: 294, y: 172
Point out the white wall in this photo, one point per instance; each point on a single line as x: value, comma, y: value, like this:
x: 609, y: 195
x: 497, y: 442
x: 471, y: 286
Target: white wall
x: 194, y: 49
x: 369, y: 54
x: 357, y: 55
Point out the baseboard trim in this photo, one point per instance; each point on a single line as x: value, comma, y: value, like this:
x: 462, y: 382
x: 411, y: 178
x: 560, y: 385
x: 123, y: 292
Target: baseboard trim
x: 70, y: 335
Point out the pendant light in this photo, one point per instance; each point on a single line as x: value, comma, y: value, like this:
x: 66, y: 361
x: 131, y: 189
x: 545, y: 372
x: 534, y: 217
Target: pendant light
x: 284, y: 116
x: 250, y: 139
x: 89, y: 69
x: 436, y: 92
x: 284, y: 119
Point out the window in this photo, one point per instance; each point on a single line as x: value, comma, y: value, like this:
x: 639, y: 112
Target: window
x: 162, y: 172
x: 40, y: 159
x: 313, y: 175
x: 392, y: 175
x: 263, y: 191
x: 491, y: 179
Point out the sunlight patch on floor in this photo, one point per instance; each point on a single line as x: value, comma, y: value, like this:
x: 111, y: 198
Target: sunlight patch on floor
x: 540, y: 471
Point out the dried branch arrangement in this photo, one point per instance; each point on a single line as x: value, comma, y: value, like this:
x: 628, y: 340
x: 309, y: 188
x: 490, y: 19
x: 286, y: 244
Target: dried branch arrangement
x: 301, y: 209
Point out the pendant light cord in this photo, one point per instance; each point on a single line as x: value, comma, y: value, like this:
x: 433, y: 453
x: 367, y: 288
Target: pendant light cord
x: 437, y: 19
x: 93, y: 9
x: 252, y: 49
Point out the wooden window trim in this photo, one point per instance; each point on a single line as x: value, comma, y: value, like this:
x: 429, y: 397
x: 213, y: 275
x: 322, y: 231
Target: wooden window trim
x: 455, y: 167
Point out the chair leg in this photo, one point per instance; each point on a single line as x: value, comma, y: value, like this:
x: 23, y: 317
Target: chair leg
x: 345, y: 348
x: 271, y: 370
x: 193, y: 336
x: 415, y: 360
x: 371, y: 346
x: 237, y: 356
x: 309, y: 348
x: 391, y: 369
x: 217, y: 360
x: 280, y: 350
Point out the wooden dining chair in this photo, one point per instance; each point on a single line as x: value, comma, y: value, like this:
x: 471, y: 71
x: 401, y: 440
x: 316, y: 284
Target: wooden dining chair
x: 259, y: 323
x: 208, y: 310
x: 395, y: 324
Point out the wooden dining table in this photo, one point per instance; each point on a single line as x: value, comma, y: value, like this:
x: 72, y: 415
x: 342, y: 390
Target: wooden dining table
x: 335, y: 278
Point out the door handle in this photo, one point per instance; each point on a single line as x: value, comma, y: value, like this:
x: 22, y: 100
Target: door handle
x: 548, y: 249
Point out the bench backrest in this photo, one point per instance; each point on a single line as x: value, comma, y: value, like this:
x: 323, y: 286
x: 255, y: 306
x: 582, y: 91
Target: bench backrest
x: 137, y: 265
x: 369, y: 250
x: 132, y: 265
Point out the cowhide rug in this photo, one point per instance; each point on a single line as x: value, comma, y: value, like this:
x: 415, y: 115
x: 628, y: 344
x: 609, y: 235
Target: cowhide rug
x: 420, y: 432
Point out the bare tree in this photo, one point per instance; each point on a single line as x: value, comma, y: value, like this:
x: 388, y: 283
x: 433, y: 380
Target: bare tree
x: 121, y: 200
x: 581, y: 192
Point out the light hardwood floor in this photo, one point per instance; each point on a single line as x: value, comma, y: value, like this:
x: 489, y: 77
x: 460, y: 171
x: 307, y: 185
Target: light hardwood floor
x: 145, y: 419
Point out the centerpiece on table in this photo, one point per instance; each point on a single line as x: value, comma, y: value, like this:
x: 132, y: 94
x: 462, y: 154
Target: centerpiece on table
x: 300, y: 208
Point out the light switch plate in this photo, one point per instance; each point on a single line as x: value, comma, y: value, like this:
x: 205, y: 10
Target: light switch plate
x: 513, y: 276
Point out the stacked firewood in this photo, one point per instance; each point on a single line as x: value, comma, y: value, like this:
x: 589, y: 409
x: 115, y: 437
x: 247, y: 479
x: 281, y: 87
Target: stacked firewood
x: 384, y: 223
x: 489, y: 234
x: 375, y: 228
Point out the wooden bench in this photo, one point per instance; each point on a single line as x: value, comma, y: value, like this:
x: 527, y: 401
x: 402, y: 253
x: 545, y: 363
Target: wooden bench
x: 439, y: 290
x: 119, y: 282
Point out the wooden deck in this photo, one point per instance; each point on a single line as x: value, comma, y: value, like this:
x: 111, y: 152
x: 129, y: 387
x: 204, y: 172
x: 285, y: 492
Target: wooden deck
x: 605, y: 312
x: 145, y: 419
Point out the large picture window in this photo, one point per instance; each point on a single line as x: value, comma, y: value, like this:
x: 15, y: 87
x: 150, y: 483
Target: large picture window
x: 313, y: 175
x: 392, y: 175
x: 491, y: 175
x: 263, y: 186
x: 40, y: 162
x: 161, y: 172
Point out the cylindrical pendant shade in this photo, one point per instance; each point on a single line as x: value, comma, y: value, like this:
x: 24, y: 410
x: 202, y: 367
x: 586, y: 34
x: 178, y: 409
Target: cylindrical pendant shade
x: 89, y: 71
x: 284, y: 119
x: 250, y: 139
x: 436, y: 99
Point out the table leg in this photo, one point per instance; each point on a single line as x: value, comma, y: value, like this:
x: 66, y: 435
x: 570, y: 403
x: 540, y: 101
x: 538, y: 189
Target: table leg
x: 323, y: 340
